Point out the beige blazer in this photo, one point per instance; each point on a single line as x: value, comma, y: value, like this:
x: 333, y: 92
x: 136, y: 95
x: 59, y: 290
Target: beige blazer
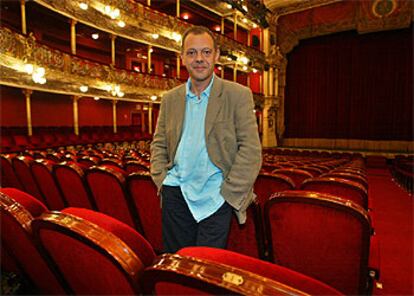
x: 232, y: 139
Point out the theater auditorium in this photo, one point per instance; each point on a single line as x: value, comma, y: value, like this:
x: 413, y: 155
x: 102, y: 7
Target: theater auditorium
x: 81, y: 85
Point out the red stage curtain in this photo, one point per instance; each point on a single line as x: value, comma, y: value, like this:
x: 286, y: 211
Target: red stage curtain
x: 351, y: 86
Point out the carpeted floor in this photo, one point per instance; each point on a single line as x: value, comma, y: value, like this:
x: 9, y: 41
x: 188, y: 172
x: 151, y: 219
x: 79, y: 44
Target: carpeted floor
x: 393, y: 211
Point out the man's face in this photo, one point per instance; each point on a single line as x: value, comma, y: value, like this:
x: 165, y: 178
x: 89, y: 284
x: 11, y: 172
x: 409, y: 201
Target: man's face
x: 199, y: 56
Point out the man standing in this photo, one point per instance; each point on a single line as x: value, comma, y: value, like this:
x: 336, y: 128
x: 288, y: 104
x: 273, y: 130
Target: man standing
x: 206, y: 152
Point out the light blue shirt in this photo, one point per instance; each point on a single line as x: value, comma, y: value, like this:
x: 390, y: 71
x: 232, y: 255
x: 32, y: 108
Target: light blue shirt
x: 199, y: 179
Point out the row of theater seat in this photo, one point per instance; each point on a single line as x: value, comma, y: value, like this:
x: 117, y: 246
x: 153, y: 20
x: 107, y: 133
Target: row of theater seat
x: 20, y: 142
x: 83, y: 252
x: 402, y: 170
x: 135, y: 203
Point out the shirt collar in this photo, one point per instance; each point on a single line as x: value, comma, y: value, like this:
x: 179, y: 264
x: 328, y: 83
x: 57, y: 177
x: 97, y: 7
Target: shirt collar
x: 204, y: 94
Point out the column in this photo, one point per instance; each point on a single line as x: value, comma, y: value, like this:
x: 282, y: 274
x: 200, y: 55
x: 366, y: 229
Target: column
x: 222, y: 71
x: 177, y: 9
x: 27, y: 93
x: 113, y: 37
x: 149, y: 2
x: 150, y: 118
x: 149, y: 59
x: 235, y: 26
x: 271, y: 82
x: 222, y: 26
x: 235, y: 73
x: 75, y: 115
x: 178, y: 65
x: 143, y: 127
x: 73, y: 36
x: 114, y: 115
x: 23, y: 16
x: 269, y: 123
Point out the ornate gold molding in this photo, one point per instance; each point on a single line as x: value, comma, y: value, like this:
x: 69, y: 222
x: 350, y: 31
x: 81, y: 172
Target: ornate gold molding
x: 141, y: 23
x: 66, y: 73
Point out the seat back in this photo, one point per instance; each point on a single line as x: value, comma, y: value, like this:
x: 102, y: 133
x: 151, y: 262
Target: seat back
x: 297, y: 175
x: 21, y: 165
x: 143, y: 192
x: 267, y: 183
x: 341, y: 187
x: 92, y: 260
x: 70, y: 179
x: 320, y: 235
x: 42, y: 173
x: 134, y: 166
x: 8, y: 176
x: 248, y: 238
x: 107, y: 186
x: 209, y: 271
x: 349, y: 176
x: 17, y: 210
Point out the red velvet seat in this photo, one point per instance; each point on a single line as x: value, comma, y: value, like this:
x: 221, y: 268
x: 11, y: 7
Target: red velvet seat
x: 17, y: 212
x: 8, y: 176
x: 22, y: 142
x: 7, y: 143
x: 42, y: 173
x: 348, y: 176
x: 144, y: 195
x: 248, y: 238
x: 95, y: 253
x: 21, y: 166
x: 107, y: 186
x: 134, y: 166
x: 297, y: 175
x: 70, y: 179
x: 320, y: 235
x: 209, y: 271
x: 87, y: 161
x: 267, y: 183
x: 112, y: 163
x: 341, y: 187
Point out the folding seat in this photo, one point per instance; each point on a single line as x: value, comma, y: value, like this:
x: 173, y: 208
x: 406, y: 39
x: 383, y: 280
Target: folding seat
x: 21, y: 166
x: 55, y: 157
x: 7, y: 143
x: 42, y: 173
x: 36, y: 142
x: 348, y: 176
x: 322, y: 236
x: 210, y: 271
x: 341, y: 187
x: 314, y: 171
x: 21, y: 142
x: 107, y: 186
x: 248, y: 238
x: 8, y: 176
x: 143, y: 192
x: 266, y: 184
x: 112, y: 162
x: 62, y: 139
x: 134, y: 166
x: 70, y: 179
x: 73, y: 139
x: 94, y: 253
x: 49, y: 140
x: 297, y: 175
x: 87, y: 161
x: 17, y: 210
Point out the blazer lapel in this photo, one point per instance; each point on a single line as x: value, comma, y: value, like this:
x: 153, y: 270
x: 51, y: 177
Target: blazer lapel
x: 214, y: 104
x: 180, y: 112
